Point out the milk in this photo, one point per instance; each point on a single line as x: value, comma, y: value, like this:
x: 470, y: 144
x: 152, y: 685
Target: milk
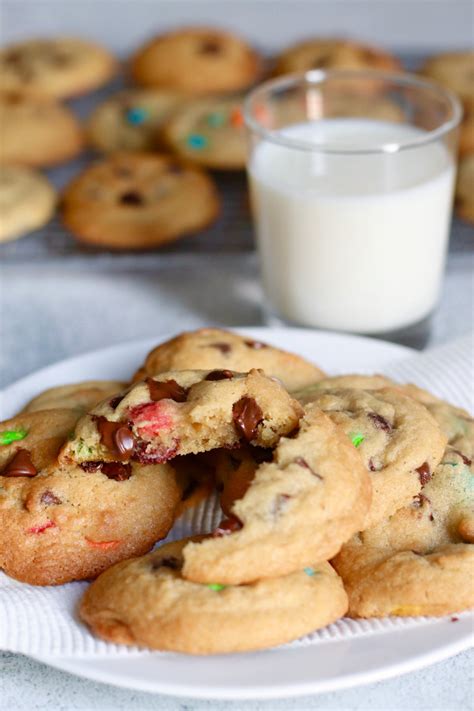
x: 357, y: 241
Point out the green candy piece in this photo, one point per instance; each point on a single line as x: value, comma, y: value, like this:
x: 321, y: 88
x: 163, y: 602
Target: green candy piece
x: 309, y: 571
x: 10, y: 436
x: 451, y: 464
x: 216, y: 119
x: 357, y: 439
x: 216, y: 586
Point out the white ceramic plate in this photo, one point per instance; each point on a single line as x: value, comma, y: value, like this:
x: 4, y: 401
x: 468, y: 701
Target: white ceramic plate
x: 366, y: 653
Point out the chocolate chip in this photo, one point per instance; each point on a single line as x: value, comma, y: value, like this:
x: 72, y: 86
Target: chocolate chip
x: 303, y: 463
x: 20, y: 465
x: 116, y: 437
x: 167, y: 390
x: 224, y: 348
x: 124, y: 441
x: 115, y: 402
x: 169, y: 562
x: 256, y: 345
x: 419, y: 501
x: 424, y: 473
x: 131, y: 198
x: 219, y: 375
x: 279, y: 504
x: 247, y: 416
x: 465, y: 459
x: 380, y: 422
x: 175, y: 169
x: 372, y: 466
x: 227, y: 526
x: 48, y: 498
x: 210, y: 46
x: 91, y: 466
x: 117, y: 471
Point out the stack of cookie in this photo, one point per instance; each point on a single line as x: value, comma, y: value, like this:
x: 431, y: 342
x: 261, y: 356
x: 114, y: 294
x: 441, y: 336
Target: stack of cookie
x: 37, y: 131
x: 351, y: 493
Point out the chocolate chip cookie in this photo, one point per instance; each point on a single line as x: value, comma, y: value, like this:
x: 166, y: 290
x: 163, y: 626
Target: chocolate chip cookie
x: 37, y: 130
x: 196, y: 61
x: 131, y: 120
x: 209, y: 348
x: 27, y: 201
x: 396, y: 437
x: 319, y: 53
x: 299, y: 508
x: 147, y: 602
x: 138, y: 201
x: 58, y: 67
x: 185, y: 412
x: 209, y: 132
x: 78, y: 396
x: 419, y: 561
x: 62, y: 521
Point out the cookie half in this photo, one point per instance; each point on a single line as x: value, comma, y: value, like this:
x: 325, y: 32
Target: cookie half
x: 464, y: 200
x: 147, y: 602
x: 453, y: 70
x: 138, y: 201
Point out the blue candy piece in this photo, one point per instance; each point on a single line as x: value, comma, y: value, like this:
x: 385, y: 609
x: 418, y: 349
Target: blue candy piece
x: 195, y: 140
x: 309, y: 571
x: 136, y: 116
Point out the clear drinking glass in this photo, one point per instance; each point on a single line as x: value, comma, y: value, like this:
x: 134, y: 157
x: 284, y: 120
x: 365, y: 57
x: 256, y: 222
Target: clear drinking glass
x: 351, y: 176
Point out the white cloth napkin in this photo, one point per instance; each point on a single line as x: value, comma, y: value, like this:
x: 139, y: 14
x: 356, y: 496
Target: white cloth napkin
x: 42, y: 621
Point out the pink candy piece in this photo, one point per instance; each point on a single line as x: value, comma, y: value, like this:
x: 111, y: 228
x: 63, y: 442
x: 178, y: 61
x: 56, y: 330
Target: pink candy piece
x: 42, y: 527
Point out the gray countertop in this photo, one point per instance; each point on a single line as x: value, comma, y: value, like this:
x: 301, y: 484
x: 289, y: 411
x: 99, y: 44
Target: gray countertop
x: 57, y: 300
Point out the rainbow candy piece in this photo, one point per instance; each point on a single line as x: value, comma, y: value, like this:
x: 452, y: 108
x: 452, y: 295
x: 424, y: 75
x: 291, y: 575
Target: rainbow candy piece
x: 197, y: 141
x: 357, y: 439
x: 216, y: 586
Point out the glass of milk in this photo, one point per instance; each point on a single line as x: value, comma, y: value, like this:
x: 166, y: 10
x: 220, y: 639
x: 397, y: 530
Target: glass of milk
x: 351, y: 177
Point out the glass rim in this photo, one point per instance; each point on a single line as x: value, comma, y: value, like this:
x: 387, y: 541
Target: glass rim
x: 317, y: 77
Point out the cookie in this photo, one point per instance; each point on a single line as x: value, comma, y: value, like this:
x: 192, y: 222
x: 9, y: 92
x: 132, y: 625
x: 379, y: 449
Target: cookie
x: 209, y: 132
x: 395, y: 436
x: 466, y: 129
x: 209, y: 348
x: 147, y: 602
x: 59, y: 67
x: 319, y: 53
x: 185, y: 412
x: 131, y: 120
x: 409, y: 584
x: 138, y: 201
x: 453, y: 70
x: 196, y: 61
x: 78, y: 396
x: 418, y: 561
x: 456, y: 424
x: 298, y: 509
x: 27, y: 201
x: 60, y: 521
x: 464, y: 200
x: 36, y: 130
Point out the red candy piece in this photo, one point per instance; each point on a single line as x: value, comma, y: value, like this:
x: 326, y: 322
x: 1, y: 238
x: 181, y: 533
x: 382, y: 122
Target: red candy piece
x: 237, y: 118
x: 155, y: 417
x: 42, y: 527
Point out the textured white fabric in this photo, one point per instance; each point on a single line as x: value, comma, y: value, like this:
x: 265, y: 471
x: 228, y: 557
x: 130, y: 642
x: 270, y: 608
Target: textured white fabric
x: 42, y: 621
